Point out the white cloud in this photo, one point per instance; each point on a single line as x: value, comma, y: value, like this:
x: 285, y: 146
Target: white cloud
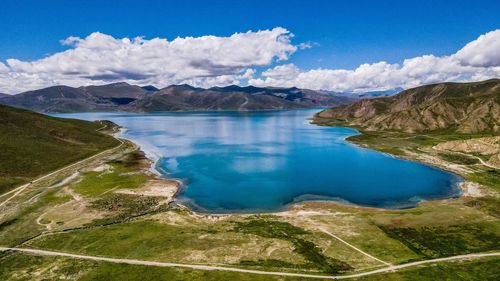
x: 101, y: 58
x: 218, y: 61
x: 478, y: 60
x: 482, y: 52
x: 307, y: 45
x: 282, y: 72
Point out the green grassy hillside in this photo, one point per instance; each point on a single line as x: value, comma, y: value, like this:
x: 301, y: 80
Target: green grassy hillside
x: 33, y: 144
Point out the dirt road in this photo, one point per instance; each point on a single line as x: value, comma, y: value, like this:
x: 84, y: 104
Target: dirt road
x: 20, y: 189
x: 232, y: 269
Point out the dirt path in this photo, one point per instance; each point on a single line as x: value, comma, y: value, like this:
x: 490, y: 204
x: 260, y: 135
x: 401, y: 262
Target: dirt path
x: 478, y: 158
x: 66, y: 180
x: 354, y: 247
x: 39, y: 222
x: 232, y: 269
x: 467, y: 155
x: 17, y: 191
x: 23, y: 187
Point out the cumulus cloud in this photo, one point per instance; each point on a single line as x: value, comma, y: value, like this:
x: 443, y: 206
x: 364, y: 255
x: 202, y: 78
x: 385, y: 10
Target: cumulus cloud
x: 101, y: 58
x: 478, y: 60
x: 218, y: 61
x: 482, y: 52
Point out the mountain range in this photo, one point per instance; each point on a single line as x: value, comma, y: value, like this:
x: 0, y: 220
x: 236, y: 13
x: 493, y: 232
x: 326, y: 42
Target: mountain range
x: 458, y: 107
x: 125, y: 97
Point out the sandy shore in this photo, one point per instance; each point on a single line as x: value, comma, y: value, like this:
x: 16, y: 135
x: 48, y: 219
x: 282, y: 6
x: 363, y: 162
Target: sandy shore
x: 157, y: 186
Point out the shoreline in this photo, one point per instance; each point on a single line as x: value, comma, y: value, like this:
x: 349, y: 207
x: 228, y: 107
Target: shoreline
x: 464, y: 187
x: 152, y: 162
x: 461, y: 186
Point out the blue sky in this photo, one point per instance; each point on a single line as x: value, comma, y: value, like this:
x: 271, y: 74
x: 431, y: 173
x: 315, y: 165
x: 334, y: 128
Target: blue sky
x: 343, y: 34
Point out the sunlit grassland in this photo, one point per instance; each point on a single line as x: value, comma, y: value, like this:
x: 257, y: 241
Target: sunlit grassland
x: 17, y: 266
x: 152, y: 239
x: 489, y: 177
x: 442, y: 241
x: 33, y: 144
x: 22, y: 226
x: 468, y: 270
x: 119, y: 176
x: 139, y: 227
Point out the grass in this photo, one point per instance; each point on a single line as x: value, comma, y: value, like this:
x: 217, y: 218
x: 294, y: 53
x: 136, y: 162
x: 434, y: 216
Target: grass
x: 34, y: 144
x: 17, y: 266
x: 37, y: 204
x: 22, y: 226
x: 283, y: 230
x: 124, y: 206
x: 357, y: 230
x: 387, y: 140
x: 271, y: 264
x: 269, y: 228
x: 490, y: 205
x: 135, y: 272
x: 490, y: 177
x: 120, y: 176
x: 470, y: 270
x: 458, y: 158
x: 434, y: 229
x: 177, y: 242
x: 7, y: 223
x: 443, y: 241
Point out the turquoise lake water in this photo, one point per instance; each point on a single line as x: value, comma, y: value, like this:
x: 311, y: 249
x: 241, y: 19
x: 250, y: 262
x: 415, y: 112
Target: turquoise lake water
x: 264, y: 161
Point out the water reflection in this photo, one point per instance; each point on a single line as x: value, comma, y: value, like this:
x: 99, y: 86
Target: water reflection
x: 262, y: 161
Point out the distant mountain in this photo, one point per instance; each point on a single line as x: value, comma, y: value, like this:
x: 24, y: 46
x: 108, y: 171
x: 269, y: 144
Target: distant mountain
x: 68, y: 99
x: 115, y: 90
x: 52, y: 99
x: 182, y: 97
x: 3, y: 95
x: 379, y: 94
x: 366, y: 95
x: 150, y: 88
x: 461, y: 107
x: 185, y: 97
x: 126, y: 97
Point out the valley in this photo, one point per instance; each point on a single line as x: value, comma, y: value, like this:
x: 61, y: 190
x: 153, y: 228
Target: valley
x: 120, y: 221
x: 249, y: 140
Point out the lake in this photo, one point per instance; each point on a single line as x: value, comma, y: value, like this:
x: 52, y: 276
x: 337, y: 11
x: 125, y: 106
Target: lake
x: 265, y: 161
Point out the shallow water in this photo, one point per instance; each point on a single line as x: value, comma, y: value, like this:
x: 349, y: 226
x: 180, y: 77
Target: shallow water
x: 263, y: 161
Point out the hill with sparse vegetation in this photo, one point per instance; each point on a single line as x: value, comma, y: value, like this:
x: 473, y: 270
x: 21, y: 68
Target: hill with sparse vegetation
x: 456, y: 107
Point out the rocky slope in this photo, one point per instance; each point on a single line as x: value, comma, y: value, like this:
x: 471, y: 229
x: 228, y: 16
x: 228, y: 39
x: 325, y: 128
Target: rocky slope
x: 459, y: 107
x: 488, y: 147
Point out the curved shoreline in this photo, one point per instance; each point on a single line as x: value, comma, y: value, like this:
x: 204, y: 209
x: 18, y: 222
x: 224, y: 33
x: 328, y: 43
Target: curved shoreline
x: 155, y: 169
